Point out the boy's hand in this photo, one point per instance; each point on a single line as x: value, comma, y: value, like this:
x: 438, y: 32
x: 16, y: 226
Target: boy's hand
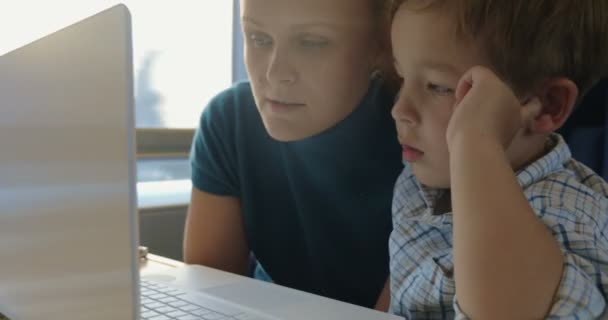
x: 486, y: 108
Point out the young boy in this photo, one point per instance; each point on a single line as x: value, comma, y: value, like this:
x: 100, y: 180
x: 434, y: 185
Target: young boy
x: 492, y: 217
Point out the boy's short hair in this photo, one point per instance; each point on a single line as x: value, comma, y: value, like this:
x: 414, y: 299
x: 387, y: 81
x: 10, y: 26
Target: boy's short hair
x: 527, y: 41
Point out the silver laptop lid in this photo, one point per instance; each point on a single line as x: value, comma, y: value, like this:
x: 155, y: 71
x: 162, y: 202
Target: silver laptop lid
x: 68, y: 236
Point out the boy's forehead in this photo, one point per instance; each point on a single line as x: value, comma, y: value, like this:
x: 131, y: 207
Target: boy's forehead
x: 427, y: 38
x: 428, y: 26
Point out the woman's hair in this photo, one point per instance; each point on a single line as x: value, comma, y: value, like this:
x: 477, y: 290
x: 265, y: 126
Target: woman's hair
x: 382, y: 11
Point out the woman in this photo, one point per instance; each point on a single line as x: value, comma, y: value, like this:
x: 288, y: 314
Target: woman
x: 298, y: 165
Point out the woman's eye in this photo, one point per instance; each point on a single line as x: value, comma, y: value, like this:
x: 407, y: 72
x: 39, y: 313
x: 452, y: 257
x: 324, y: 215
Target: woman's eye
x: 313, y: 42
x: 260, y: 41
x: 438, y: 89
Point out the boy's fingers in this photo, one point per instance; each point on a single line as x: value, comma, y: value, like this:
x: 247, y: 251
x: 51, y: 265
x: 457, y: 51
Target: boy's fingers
x: 464, y: 85
x: 531, y: 110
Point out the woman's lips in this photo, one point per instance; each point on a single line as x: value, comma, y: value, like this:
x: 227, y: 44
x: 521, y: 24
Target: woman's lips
x: 410, y: 153
x: 280, y: 107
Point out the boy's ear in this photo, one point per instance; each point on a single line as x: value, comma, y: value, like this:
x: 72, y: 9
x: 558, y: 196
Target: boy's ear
x: 558, y: 98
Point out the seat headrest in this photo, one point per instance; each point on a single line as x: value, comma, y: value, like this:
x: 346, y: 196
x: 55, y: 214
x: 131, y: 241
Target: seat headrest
x: 586, y: 131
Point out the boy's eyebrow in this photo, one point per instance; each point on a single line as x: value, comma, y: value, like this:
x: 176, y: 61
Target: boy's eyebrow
x: 445, y: 67
x: 429, y: 64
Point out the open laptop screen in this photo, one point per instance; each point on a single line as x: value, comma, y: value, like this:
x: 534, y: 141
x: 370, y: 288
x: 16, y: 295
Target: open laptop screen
x: 68, y: 235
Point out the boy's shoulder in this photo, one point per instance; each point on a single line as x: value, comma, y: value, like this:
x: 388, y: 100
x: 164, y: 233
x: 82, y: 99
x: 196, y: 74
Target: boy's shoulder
x: 572, y: 194
x: 563, y: 191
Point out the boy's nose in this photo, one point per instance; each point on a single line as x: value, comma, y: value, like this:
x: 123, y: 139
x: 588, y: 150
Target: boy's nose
x: 404, y: 111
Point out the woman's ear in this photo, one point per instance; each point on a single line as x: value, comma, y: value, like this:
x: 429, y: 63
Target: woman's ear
x: 380, y: 58
x: 558, y: 98
x: 382, y: 53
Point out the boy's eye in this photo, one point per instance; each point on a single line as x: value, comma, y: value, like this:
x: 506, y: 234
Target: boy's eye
x: 438, y: 89
x: 260, y: 41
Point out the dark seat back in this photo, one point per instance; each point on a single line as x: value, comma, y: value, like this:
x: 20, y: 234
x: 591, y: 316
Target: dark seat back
x: 586, y: 131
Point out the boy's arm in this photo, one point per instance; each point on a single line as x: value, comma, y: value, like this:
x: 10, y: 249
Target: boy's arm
x: 503, y: 255
x: 384, y: 300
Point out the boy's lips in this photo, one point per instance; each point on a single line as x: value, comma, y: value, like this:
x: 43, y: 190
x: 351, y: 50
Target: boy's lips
x: 411, y: 154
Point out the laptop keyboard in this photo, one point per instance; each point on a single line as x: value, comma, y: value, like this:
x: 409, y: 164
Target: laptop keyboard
x: 162, y: 302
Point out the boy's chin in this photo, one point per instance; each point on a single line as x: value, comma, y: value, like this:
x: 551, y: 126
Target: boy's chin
x: 431, y: 178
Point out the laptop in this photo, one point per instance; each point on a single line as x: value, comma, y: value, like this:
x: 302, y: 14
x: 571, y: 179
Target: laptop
x: 68, y: 222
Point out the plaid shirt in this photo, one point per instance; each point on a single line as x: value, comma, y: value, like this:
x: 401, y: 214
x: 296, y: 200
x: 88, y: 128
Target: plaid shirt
x: 567, y: 197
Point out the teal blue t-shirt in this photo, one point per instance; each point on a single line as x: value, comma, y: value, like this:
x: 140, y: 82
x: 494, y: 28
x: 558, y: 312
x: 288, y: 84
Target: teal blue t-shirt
x: 317, y: 211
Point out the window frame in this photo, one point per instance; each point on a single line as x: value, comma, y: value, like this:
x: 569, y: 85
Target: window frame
x: 163, y: 142
x: 171, y: 143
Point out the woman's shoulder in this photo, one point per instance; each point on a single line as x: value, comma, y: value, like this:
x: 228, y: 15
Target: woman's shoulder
x: 383, y: 88
x: 379, y: 98
x: 234, y: 97
x: 232, y: 105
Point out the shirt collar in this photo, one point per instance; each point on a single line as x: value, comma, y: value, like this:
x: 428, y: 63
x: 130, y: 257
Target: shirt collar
x: 552, y: 161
